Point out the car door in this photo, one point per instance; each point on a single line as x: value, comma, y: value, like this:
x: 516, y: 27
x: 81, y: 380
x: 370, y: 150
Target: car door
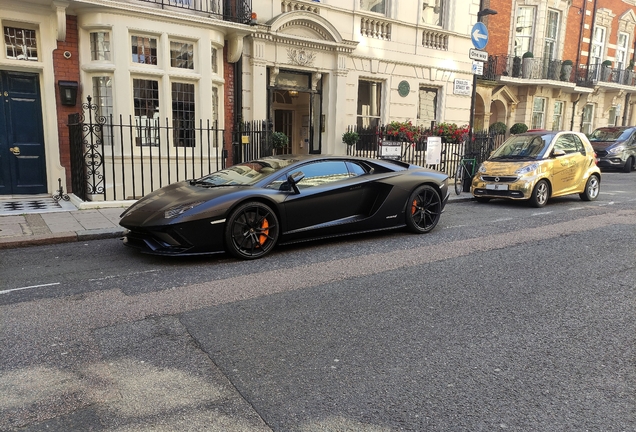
x: 329, y: 196
x: 569, y: 168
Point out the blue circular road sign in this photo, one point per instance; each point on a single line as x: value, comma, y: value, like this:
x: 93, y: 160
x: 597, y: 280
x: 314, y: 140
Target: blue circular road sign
x: 479, y: 35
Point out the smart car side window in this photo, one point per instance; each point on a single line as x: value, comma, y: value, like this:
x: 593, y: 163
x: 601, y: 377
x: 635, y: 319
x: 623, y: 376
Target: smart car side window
x: 565, y: 143
x: 578, y: 144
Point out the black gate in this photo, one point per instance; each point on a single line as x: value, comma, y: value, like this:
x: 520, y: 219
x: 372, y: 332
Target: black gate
x: 252, y: 140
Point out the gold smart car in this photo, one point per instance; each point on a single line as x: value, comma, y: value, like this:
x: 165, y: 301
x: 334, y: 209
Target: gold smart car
x: 538, y: 165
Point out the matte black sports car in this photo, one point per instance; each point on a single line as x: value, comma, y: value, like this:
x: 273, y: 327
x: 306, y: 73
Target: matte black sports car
x: 248, y: 208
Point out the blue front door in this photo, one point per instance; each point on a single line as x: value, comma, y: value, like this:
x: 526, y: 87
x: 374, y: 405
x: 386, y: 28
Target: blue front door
x: 22, y: 162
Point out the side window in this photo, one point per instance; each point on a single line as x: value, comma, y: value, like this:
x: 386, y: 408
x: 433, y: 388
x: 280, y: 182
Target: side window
x: 565, y: 143
x: 320, y: 173
x: 578, y: 145
x: 355, y: 170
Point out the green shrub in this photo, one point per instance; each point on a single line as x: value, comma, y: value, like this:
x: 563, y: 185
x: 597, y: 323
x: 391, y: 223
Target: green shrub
x: 528, y: 54
x: 567, y: 63
x: 606, y: 63
x: 498, y: 128
x: 518, y: 128
x: 350, y: 137
x: 279, y: 140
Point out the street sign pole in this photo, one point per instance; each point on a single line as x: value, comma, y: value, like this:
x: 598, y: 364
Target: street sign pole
x: 479, y: 38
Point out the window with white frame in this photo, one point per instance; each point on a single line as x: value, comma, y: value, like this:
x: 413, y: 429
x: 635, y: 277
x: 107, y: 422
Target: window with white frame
x: 103, y: 99
x: 612, y: 116
x: 144, y: 50
x: 433, y: 12
x: 100, y: 46
x: 427, y: 112
x: 183, y: 114
x: 378, y: 6
x: 524, y: 30
x: 181, y: 55
x: 538, y: 113
x: 621, y: 50
x: 215, y: 104
x: 215, y: 62
x: 598, y: 45
x: 20, y: 43
x: 551, y: 35
x: 557, y: 116
x: 146, y: 102
x: 369, y: 98
x: 588, y: 116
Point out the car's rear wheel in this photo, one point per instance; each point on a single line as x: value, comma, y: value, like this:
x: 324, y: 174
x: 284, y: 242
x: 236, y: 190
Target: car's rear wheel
x: 251, y: 231
x: 423, y: 209
x: 540, y: 194
x: 592, y: 188
x: 629, y: 165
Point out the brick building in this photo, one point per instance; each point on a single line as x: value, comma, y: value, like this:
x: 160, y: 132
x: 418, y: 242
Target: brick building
x: 559, y: 65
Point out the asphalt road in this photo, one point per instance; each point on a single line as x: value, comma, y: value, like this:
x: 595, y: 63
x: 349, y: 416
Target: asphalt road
x: 503, y: 318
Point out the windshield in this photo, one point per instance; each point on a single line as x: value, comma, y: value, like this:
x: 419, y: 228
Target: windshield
x: 523, y: 147
x: 246, y: 173
x: 610, y: 134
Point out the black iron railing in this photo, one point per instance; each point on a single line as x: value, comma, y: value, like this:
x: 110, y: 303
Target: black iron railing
x: 239, y: 11
x: 482, y: 144
x: 113, y: 158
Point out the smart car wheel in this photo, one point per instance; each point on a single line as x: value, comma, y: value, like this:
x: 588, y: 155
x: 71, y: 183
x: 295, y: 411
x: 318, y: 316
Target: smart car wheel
x: 540, y: 194
x: 251, y: 231
x: 459, y: 180
x: 423, y: 209
x: 592, y: 188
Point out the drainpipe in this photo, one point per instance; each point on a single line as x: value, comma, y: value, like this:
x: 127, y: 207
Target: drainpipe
x: 578, y: 54
x: 574, y: 112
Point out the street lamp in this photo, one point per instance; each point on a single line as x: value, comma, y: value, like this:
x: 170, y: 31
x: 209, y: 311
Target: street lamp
x: 482, y: 13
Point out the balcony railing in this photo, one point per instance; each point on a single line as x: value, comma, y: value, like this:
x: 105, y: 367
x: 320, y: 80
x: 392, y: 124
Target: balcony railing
x: 239, y: 11
x: 375, y: 28
x: 555, y: 70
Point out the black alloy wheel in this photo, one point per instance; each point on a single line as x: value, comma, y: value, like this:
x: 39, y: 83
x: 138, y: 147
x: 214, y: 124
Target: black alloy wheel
x: 423, y: 209
x: 251, y: 231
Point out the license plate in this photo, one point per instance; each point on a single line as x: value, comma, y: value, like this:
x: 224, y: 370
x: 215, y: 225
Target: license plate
x: 497, y: 186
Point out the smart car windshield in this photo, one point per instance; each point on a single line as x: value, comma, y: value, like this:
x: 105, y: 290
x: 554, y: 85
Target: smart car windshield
x: 610, y: 134
x: 243, y: 174
x: 523, y: 147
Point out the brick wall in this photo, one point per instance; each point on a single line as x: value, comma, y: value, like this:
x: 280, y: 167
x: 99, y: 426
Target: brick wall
x: 498, y: 26
x: 228, y: 104
x: 66, y: 69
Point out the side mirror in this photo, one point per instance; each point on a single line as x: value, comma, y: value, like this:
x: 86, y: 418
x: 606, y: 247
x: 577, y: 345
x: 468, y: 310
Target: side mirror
x: 294, y: 178
x: 557, y: 153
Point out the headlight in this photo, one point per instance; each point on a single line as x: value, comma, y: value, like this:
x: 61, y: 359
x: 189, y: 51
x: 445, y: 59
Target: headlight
x: 481, y: 169
x: 616, y: 150
x: 527, y: 169
x: 180, y: 209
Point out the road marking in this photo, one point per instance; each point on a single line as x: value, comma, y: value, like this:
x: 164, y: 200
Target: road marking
x: 502, y: 219
x: 29, y: 287
x: 542, y: 213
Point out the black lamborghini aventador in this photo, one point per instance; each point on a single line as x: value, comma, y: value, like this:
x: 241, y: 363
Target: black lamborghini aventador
x: 248, y: 208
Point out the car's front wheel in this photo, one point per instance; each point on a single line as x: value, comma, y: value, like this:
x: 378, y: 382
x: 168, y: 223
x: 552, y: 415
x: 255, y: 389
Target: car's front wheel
x: 251, y: 231
x: 423, y: 209
x: 592, y: 188
x: 629, y: 165
x: 540, y: 194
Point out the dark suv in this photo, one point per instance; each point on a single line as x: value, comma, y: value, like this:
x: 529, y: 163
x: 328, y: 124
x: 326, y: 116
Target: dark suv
x: 615, y: 147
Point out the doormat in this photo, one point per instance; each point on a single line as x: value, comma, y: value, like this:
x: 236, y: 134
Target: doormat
x: 12, y: 207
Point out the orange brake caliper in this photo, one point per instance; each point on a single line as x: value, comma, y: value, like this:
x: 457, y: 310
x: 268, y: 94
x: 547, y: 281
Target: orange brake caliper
x: 414, y: 207
x: 263, y: 237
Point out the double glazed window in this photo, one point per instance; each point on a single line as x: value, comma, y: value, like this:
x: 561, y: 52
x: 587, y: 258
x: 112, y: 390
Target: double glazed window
x: 378, y: 6
x: 21, y: 44
x: 100, y: 46
x: 427, y: 112
x: 557, y: 115
x: 538, y: 113
x: 144, y: 50
x: 524, y: 30
x: 369, y: 98
x: 181, y: 55
x: 146, y: 100
x: 551, y: 35
x: 588, y: 116
x: 183, y: 119
x: 433, y: 12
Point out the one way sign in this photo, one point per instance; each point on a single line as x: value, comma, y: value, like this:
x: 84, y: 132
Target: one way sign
x: 479, y: 35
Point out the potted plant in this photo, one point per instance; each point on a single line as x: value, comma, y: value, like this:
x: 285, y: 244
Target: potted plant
x: 350, y: 138
x: 606, y: 70
x: 566, y: 70
x: 518, y: 128
x: 527, y: 64
x: 279, y: 140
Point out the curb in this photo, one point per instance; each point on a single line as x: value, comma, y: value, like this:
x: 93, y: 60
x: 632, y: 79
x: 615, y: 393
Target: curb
x: 64, y: 237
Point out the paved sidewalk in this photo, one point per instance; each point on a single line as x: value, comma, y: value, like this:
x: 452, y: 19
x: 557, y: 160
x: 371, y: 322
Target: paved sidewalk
x: 59, y: 227
x: 47, y: 227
